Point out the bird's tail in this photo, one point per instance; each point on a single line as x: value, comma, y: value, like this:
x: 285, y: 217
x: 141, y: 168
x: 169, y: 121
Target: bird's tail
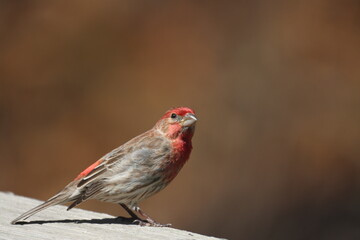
x: 57, y: 199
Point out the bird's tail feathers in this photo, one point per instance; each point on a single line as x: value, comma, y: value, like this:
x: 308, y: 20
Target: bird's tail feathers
x: 57, y: 199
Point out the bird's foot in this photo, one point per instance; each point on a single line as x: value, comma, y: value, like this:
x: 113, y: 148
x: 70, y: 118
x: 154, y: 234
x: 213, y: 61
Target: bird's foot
x: 150, y: 224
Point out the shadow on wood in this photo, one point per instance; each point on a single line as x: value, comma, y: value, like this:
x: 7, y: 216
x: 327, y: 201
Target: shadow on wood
x: 116, y: 220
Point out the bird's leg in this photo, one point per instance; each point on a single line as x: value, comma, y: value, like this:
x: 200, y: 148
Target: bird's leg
x: 150, y: 221
x: 131, y: 213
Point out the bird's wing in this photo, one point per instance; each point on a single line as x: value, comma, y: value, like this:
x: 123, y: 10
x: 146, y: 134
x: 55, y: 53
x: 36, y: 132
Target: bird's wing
x: 138, y: 151
x: 115, y: 157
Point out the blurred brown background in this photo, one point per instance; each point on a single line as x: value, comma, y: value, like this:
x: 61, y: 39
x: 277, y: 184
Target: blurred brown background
x: 275, y: 85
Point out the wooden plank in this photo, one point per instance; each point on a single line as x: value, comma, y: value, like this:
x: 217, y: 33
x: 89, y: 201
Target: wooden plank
x: 57, y: 223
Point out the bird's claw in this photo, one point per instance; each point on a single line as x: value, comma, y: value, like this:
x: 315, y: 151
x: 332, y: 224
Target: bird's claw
x: 150, y: 224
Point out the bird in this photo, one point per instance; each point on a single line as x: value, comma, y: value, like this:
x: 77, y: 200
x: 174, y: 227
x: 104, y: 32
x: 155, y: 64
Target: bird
x: 133, y: 171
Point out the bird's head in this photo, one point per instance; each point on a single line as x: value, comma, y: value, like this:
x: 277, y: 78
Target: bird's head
x: 177, y: 122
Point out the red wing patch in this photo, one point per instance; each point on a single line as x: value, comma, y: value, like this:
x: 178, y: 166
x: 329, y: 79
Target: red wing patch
x: 89, y: 169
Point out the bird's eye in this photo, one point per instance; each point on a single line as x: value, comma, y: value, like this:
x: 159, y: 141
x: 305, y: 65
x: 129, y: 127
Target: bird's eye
x: 173, y: 115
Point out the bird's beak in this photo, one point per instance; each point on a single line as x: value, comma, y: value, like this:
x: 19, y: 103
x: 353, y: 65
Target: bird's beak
x: 189, y: 120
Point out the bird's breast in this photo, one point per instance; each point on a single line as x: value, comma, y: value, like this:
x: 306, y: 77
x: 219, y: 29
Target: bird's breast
x: 180, y: 154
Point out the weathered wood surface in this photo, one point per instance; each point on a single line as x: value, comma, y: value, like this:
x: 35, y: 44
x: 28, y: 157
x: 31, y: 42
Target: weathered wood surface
x: 57, y: 223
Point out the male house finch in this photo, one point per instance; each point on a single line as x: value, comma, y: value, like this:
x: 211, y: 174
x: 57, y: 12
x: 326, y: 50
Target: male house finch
x: 134, y: 171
